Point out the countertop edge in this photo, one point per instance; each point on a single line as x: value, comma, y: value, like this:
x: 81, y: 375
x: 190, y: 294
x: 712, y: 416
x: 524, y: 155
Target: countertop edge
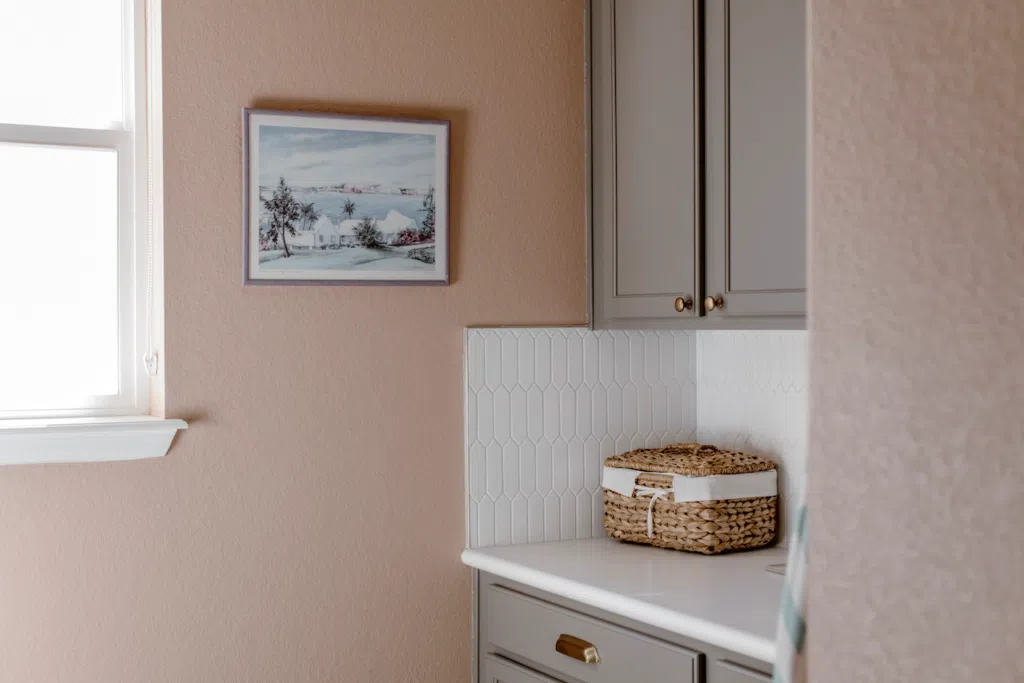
x: 674, y: 622
x: 670, y: 620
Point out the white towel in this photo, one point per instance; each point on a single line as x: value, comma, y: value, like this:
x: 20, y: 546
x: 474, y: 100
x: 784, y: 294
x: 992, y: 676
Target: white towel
x: 790, y: 658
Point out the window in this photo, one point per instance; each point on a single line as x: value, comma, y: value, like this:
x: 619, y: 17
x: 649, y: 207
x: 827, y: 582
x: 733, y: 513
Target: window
x: 75, y: 274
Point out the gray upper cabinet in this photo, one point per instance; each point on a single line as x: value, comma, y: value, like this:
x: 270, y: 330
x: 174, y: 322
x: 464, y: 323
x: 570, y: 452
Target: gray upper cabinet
x: 756, y: 173
x: 698, y: 126
x: 645, y: 116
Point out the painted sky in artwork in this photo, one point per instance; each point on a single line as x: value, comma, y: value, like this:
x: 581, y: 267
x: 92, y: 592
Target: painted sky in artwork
x: 317, y: 157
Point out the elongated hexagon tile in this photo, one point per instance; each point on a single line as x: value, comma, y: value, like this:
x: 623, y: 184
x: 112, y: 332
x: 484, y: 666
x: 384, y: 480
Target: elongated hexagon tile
x: 527, y: 467
x: 518, y: 416
x: 584, y: 412
x: 552, y: 518
x: 492, y: 361
x: 475, y: 359
x: 509, y: 361
x: 584, y: 525
x: 574, y: 358
x: 477, y: 472
x: 527, y: 361
x: 567, y: 517
x: 510, y: 469
x: 576, y: 465
x: 502, y: 521
x: 590, y: 360
x: 495, y: 469
x: 544, y: 467
x: 520, y: 520
x: 559, y: 466
x: 484, y: 427
x: 485, y: 523
x: 535, y: 508
x: 535, y: 413
x: 552, y: 416
x: 606, y: 358
x: 567, y: 412
x: 542, y: 360
x: 559, y: 359
x: 592, y: 464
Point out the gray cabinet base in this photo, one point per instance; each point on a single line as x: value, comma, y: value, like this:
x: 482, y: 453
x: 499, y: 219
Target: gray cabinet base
x: 517, y: 628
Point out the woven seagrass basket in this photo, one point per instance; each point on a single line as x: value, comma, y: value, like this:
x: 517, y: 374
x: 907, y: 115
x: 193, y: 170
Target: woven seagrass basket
x: 651, y: 515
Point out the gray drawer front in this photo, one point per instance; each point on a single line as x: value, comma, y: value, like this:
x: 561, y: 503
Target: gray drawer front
x: 529, y: 628
x: 499, y: 670
x: 724, y: 671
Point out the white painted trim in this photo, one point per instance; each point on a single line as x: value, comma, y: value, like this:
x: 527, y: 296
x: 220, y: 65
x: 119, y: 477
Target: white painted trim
x: 139, y: 327
x: 24, y: 442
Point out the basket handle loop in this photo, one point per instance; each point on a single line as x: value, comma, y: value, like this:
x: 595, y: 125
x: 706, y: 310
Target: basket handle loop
x: 655, y: 494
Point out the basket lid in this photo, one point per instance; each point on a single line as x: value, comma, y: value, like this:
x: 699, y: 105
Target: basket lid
x: 690, y: 459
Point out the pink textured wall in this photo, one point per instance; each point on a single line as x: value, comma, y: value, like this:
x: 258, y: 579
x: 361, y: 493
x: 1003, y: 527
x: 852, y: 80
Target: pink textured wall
x: 307, y: 526
x: 917, y: 321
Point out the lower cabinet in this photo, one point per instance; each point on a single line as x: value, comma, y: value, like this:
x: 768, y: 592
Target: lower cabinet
x: 725, y: 671
x: 528, y: 636
x: 497, y: 669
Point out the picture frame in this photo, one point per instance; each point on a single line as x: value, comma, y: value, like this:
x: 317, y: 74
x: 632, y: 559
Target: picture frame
x: 333, y: 199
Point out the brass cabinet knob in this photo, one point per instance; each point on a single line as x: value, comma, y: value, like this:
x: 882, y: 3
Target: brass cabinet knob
x: 684, y: 304
x: 711, y: 303
x: 577, y: 648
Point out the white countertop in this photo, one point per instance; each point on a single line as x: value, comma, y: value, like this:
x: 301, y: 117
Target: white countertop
x: 725, y: 600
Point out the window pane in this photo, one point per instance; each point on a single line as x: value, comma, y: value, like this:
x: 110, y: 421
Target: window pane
x: 58, y: 275
x: 61, y: 62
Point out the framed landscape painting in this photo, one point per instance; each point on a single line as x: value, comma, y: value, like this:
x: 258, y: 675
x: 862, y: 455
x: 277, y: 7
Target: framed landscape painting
x: 333, y: 199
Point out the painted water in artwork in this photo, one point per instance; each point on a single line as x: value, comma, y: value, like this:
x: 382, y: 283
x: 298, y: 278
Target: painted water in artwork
x: 346, y: 200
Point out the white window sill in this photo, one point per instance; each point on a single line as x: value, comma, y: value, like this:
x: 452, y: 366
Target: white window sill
x: 96, y: 439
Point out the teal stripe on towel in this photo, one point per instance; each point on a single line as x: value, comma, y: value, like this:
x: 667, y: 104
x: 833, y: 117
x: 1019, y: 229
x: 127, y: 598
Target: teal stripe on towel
x: 794, y: 622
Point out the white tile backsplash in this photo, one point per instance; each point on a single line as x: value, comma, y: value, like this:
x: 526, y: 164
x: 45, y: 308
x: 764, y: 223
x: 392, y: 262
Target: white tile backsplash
x: 545, y: 406
x: 752, y: 396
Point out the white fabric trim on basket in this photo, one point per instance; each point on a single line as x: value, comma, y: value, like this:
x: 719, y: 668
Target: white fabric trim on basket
x: 725, y: 486
x: 687, y: 489
x: 620, y: 480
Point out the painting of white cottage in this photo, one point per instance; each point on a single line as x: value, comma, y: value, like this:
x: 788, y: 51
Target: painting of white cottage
x: 335, y: 199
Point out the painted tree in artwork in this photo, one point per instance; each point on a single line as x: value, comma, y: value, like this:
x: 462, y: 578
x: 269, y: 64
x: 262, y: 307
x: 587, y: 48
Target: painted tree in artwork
x: 283, y: 211
x: 308, y: 215
x: 427, y: 231
x: 349, y: 208
x: 369, y: 235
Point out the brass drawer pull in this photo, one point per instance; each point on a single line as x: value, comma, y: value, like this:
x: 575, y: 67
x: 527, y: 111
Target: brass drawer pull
x: 683, y: 304
x: 577, y: 648
x: 713, y: 302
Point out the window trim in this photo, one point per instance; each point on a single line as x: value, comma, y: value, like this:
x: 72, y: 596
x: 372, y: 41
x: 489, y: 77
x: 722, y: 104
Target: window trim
x: 38, y: 441
x: 130, y: 141
x: 132, y: 426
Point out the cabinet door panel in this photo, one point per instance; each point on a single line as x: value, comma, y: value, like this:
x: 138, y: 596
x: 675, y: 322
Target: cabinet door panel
x: 724, y: 671
x: 500, y: 670
x: 532, y: 629
x: 645, y: 151
x: 757, y: 156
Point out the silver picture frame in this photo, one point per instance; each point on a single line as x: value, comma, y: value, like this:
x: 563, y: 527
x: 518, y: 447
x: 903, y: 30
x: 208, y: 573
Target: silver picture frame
x: 339, y: 213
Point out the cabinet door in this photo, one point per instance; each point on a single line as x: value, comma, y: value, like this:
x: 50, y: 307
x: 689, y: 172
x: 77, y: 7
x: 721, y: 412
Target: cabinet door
x: 756, y: 112
x: 500, y: 670
x: 645, y: 161
x: 578, y: 646
x: 724, y: 671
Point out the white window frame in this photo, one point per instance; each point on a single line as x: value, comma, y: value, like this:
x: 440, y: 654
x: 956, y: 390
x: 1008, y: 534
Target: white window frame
x: 121, y: 426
